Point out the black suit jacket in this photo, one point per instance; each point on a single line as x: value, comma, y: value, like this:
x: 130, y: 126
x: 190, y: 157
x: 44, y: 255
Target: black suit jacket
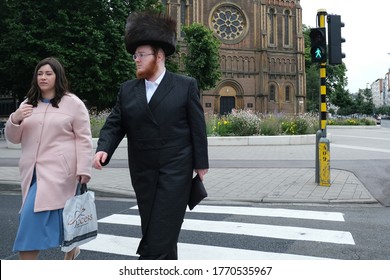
x: 166, y: 141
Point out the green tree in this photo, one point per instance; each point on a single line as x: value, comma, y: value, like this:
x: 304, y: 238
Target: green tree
x: 368, y: 104
x: 336, y: 82
x: 312, y: 76
x: 312, y: 89
x: 383, y: 110
x: 359, y: 102
x: 142, y: 5
x: 344, y: 101
x: 306, y: 36
x: 363, y: 103
x: 202, y: 59
x: 88, y: 40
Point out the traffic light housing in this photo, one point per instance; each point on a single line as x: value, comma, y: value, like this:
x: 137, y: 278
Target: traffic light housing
x: 335, y: 39
x: 318, y: 44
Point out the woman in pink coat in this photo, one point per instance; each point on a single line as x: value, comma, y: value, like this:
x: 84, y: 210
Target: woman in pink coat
x: 53, y: 128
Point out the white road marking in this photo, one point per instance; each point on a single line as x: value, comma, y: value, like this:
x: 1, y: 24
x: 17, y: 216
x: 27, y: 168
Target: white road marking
x: 271, y: 212
x: 259, y: 230
x: 360, y: 148
x: 127, y: 246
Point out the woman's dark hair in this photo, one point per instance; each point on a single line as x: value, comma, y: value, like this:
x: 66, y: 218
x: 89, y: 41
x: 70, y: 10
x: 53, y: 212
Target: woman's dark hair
x: 61, y: 83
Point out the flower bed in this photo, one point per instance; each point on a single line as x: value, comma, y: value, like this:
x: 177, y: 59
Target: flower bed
x: 248, y: 123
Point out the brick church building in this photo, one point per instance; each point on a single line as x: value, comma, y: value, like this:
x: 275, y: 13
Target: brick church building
x: 261, y: 55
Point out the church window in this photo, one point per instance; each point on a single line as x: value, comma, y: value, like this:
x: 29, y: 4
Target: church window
x: 287, y: 29
x: 272, y: 26
x: 287, y: 93
x: 272, y: 93
x: 229, y: 23
x: 183, y: 15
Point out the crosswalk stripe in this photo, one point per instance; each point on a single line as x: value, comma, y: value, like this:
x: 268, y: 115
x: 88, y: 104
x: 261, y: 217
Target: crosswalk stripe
x: 268, y: 212
x: 360, y: 148
x: 127, y: 246
x: 271, y: 212
x: 259, y: 230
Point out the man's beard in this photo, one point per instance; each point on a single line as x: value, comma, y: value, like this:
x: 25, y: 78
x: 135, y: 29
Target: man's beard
x: 148, y: 70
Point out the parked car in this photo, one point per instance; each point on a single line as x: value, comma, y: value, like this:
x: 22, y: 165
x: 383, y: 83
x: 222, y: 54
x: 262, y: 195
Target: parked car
x: 378, y: 119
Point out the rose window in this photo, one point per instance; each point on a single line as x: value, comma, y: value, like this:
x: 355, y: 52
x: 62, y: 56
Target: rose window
x: 228, y: 23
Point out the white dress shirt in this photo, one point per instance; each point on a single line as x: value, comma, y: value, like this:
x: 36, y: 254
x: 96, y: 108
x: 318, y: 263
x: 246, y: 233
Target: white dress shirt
x: 152, y: 86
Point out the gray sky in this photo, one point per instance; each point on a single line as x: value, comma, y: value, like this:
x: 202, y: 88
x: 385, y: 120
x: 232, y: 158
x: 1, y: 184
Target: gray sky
x: 366, y: 32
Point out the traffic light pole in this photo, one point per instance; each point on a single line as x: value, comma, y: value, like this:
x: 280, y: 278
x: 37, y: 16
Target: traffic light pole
x: 322, y: 143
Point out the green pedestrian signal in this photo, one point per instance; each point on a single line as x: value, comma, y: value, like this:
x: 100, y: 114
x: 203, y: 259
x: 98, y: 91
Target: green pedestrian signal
x: 318, y: 45
x: 318, y: 54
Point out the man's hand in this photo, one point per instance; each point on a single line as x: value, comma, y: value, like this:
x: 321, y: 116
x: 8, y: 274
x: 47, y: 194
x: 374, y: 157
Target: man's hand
x: 100, y: 157
x: 201, y: 173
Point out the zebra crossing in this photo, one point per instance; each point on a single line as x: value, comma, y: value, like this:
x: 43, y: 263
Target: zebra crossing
x: 127, y: 245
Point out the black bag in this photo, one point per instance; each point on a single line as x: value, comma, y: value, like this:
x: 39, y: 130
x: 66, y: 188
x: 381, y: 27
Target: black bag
x: 198, y: 192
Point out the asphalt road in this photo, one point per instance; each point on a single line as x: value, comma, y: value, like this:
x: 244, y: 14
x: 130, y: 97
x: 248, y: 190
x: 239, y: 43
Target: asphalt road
x: 368, y: 226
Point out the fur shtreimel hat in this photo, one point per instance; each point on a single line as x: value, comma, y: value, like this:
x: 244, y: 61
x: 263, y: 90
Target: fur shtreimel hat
x: 148, y: 28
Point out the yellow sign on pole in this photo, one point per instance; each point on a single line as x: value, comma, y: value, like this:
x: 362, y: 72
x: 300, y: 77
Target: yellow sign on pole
x: 324, y: 158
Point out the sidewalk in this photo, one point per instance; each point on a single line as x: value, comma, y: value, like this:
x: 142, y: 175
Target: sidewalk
x: 235, y: 184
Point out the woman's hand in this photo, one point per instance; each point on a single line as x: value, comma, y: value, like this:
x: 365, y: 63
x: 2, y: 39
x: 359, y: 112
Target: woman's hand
x: 83, y: 179
x: 24, y: 111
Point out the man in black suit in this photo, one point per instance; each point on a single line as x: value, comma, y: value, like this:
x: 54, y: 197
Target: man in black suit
x: 161, y: 115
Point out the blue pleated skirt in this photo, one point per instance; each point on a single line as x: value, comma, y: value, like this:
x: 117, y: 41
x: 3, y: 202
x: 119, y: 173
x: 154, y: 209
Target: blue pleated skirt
x: 40, y: 230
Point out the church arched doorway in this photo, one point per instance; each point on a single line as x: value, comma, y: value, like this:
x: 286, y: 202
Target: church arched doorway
x: 228, y: 99
x: 227, y: 103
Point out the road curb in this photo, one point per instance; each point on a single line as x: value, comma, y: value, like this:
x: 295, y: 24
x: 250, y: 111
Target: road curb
x: 14, y: 187
x: 275, y: 140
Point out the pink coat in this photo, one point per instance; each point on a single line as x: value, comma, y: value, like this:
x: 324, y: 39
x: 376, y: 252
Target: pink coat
x: 58, y: 142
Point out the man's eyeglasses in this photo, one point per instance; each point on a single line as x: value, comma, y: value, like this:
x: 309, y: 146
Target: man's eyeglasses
x: 141, y: 55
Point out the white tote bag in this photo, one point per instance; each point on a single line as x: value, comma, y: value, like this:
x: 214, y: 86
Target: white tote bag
x: 80, y: 220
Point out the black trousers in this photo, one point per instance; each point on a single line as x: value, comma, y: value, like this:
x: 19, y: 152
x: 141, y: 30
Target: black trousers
x: 171, y: 255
